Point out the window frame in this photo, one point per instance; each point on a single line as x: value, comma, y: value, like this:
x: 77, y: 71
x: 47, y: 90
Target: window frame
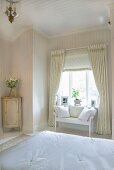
x: 86, y: 83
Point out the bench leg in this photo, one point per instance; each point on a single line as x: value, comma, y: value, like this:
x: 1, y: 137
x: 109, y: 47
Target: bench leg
x: 55, y: 124
x: 90, y: 127
x: 89, y: 130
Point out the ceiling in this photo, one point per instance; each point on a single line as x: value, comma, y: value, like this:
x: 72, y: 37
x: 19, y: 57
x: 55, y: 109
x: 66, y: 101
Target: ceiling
x: 56, y: 17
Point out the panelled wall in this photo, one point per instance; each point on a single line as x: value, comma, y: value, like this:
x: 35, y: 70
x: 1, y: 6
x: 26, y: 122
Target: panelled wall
x: 29, y: 64
x: 5, y: 68
x: 22, y: 66
x: 40, y: 106
x: 80, y: 39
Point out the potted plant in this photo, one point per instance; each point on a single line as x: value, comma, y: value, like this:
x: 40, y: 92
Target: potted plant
x: 75, y: 95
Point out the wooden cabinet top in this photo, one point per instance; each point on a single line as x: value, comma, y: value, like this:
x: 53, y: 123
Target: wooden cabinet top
x: 7, y: 97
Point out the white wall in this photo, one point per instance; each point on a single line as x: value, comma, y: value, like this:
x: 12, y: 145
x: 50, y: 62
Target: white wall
x: 5, y: 68
x: 40, y: 106
x: 22, y: 66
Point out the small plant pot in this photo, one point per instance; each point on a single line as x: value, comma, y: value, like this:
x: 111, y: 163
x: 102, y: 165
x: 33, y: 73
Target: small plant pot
x: 77, y: 102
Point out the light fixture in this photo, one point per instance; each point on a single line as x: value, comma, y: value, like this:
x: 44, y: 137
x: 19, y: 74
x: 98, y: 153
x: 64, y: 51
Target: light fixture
x: 11, y: 10
x: 109, y: 22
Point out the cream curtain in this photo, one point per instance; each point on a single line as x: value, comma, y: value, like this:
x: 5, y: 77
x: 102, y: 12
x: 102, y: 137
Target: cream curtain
x: 56, y: 67
x: 98, y: 59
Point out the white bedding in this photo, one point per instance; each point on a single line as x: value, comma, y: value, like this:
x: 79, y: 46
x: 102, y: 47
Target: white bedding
x: 54, y: 151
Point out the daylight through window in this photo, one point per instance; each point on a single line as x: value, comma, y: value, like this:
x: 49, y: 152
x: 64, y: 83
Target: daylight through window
x: 83, y: 81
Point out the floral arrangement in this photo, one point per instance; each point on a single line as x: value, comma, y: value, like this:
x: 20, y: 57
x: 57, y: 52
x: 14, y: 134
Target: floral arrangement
x: 11, y: 83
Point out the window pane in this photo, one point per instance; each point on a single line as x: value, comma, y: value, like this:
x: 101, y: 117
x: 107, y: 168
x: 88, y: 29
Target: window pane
x: 64, y: 84
x: 78, y: 81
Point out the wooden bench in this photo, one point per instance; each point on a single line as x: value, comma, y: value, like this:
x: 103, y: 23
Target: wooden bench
x: 76, y: 121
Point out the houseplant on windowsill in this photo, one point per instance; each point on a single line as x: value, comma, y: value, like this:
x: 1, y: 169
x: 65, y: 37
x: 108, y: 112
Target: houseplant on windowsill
x: 11, y: 83
x: 75, y: 95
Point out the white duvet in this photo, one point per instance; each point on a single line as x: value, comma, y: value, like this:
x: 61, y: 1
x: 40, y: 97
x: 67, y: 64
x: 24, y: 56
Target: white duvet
x: 54, y: 151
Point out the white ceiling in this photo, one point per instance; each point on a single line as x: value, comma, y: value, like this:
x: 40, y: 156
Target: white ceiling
x: 57, y: 17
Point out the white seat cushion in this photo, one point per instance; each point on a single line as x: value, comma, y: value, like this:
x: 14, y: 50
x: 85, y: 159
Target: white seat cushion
x: 62, y: 111
x: 75, y: 110
x: 87, y: 113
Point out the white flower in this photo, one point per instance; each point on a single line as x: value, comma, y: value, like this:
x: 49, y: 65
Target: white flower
x: 11, y: 82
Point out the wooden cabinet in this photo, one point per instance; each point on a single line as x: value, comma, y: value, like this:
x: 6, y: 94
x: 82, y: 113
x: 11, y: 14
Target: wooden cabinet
x: 11, y: 112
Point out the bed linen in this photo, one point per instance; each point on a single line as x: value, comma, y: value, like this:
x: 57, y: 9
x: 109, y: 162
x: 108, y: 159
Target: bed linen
x: 57, y: 151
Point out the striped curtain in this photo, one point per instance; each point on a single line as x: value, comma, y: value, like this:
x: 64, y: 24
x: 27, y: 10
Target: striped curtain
x: 56, y: 68
x: 98, y: 59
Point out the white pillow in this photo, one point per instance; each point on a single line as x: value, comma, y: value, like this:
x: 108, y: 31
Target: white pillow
x: 62, y: 111
x: 86, y: 114
x: 75, y: 110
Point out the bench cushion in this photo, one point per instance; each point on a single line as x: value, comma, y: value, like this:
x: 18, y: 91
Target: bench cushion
x: 62, y: 111
x: 86, y: 114
x: 75, y: 110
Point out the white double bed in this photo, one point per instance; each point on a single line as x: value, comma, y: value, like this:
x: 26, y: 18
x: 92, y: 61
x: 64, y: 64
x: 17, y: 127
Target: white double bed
x: 57, y: 151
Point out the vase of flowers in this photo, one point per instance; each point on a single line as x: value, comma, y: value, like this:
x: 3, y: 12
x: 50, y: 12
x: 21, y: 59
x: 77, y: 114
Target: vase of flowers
x: 11, y: 84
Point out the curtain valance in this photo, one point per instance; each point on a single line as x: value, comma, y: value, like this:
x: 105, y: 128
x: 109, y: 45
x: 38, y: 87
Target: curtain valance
x: 77, y: 60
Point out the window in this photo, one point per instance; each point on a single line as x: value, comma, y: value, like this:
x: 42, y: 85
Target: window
x: 81, y: 80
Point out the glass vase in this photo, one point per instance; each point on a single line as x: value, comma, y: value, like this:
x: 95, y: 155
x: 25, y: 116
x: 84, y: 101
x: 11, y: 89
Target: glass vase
x: 12, y: 92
